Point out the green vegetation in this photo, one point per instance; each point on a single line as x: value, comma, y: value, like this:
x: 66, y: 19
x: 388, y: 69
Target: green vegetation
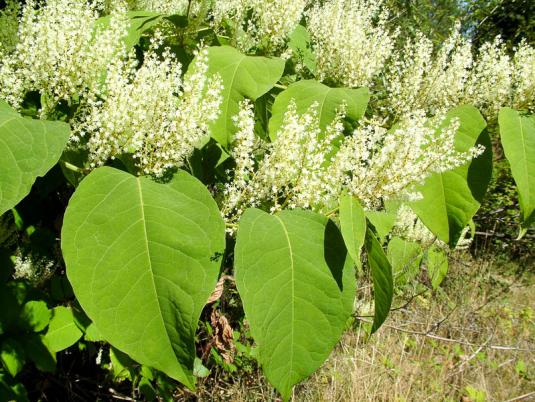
x: 244, y: 200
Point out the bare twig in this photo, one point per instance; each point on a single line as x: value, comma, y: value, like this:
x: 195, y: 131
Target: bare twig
x: 117, y: 395
x: 440, y: 338
x: 521, y: 397
x: 473, y: 355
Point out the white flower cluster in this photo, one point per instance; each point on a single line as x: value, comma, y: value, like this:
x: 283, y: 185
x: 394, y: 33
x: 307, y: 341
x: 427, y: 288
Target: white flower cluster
x: 303, y: 168
x: 351, y: 40
x: 150, y: 111
x: 9, y: 25
x: 376, y: 164
x: 254, y: 23
x: 61, y: 50
x: 411, y: 228
x: 160, y: 6
x: 489, y: 86
x: 167, y: 7
x: 243, y: 153
x: 36, y: 270
x: 293, y: 170
x: 419, y: 78
x: 524, y: 78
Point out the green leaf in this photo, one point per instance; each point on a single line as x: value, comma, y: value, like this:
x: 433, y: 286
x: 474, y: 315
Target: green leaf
x: 297, y: 288
x: 329, y: 100
x: 518, y: 139
x: 62, y: 330
x: 405, y: 258
x: 243, y: 77
x: 12, y: 356
x: 146, y: 388
x: 121, y: 365
x: 72, y: 163
x: 92, y: 334
x: 5, y: 108
x: 352, y: 225
x: 383, y: 284
x: 140, y: 22
x: 10, y: 310
x: 437, y: 266
x: 300, y: 43
x: 199, y: 369
x: 35, y: 315
x: 452, y: 198
x: 38, y: 352
x: 382, y: 221
x: 143, y: 258
x: 11, y: 392
x: 29, y: 149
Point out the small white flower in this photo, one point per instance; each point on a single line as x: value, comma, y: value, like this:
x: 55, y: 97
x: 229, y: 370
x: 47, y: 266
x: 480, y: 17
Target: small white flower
x: 376, y: 164
x: 351, y: 40
x: 33, y: 269
x: 150, y: 111
x: 259, y: 22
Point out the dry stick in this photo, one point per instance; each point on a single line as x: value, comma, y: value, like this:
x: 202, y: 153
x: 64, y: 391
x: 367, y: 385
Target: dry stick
x: 521, y: 397
x: 117, y: 395
x: 473, y: 355
x: 440, y: 338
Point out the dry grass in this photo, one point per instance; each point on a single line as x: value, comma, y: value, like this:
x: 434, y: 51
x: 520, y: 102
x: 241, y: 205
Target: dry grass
x: 482, y: 306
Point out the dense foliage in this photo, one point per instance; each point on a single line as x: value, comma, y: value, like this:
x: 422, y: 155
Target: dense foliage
x: 152, y: 150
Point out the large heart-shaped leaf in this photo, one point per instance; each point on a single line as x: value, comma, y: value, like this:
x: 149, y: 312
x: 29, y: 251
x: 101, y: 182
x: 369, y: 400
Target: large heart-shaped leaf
x: 352, y: 225
x: 329, y: 100
x: 297, y: 288
x: 451, y: 199
x: 29, y: 149
x: 518, y: 139
x: 383, y: 283
x: 243, y: 77
x: 143, y: 258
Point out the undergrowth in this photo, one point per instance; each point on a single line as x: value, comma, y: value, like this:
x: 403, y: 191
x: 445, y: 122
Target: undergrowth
x: 472, y: 340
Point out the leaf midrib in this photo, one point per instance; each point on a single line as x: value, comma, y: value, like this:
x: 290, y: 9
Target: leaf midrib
x: 292, y: 281
x: 227, y: 105
x: 146, y: 243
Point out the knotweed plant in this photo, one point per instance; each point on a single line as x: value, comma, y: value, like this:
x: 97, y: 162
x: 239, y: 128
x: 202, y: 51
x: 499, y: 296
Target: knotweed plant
x: 161, y: 6
x: 419, y: 77
x: 61, y: 51
x: 9, y: 25
x: 292, y: 172
x: 258, y: 23
x: 376, y: 164
x: 411, y: 228
x: 490, y: 84
x: 184, y: 159
x: 150, y: 111
x: 302, y: 168
x: 524, y: 78
x: 351, y: 40
x: 35, y: 270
